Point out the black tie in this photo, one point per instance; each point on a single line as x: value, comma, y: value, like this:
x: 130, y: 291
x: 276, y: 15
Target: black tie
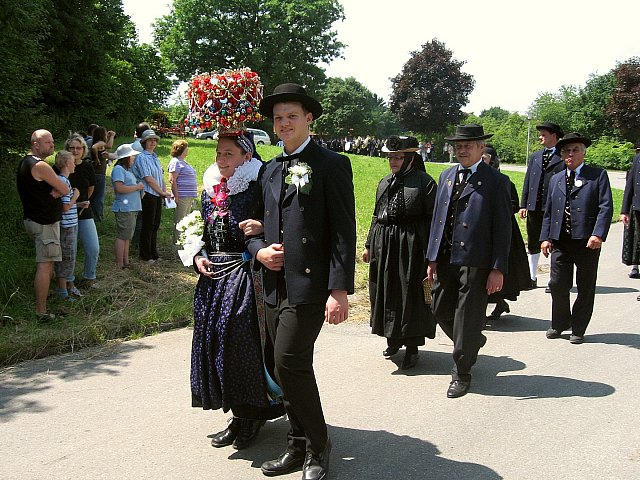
x: 288, y: 158
x: 567, y: 205
x: 465, y: 172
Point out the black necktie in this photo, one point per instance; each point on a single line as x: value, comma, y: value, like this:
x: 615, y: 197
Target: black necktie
x: 288, y: 158
x: 465, y: 174
x: 567, y: 205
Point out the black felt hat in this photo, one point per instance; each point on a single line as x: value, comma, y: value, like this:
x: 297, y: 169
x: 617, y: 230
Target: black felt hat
x: 551, y: 127
x: 473, y: 131
x: 395, y: 144
x: 573, y: 137
x: 290, y: 92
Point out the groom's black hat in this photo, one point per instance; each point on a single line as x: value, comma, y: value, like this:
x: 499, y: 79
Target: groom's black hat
x: 290, y: 92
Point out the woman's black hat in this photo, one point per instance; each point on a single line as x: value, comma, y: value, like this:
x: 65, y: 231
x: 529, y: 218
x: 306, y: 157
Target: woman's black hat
x: 290, y: 92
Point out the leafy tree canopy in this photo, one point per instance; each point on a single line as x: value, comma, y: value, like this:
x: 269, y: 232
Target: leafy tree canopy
x: 624, y: 107
x: 282, y: 40
x: 579, y: 109
x: 431, y: 89
x: 351, y: 109
x: 69, y: 63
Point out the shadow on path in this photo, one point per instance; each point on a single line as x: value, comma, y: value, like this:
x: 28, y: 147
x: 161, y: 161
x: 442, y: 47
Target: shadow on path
x: 18, y: 383
x: 516, y: 323
x: 625, y: 339
x: 377, y: 454
x: 487, y: 378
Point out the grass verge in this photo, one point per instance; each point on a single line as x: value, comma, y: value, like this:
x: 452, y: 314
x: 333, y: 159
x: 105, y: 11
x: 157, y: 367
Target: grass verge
x: 144, y: 299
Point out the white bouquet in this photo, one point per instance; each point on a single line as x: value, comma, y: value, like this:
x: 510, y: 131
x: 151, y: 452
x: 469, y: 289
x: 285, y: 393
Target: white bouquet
x: 190, y: 228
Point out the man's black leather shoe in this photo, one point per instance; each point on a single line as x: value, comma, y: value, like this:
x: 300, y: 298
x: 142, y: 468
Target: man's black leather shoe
x: 553, y: 333
x: 228, y: 435
x: 547, y: 289
x: 316, y: 467
x: 285, y: 463
x: 248, y: 432
x: 458, y: 388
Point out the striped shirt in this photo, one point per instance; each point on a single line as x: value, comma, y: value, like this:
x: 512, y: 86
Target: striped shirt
x: 70, y: 217
x: 148, y: 165
x: 186, y: 180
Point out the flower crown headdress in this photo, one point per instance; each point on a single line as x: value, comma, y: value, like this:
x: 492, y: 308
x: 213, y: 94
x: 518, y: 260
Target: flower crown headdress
x: 224, y: 100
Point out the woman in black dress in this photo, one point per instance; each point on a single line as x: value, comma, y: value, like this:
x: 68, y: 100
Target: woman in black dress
x: 395, y: 250
x: 518, y: 277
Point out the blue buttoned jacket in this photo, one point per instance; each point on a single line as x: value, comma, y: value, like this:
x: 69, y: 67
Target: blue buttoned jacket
x: 591, y: 205
x: 631, y: 198
x: 482, y: 228
x: 533, y: 176
x: 319, y: 228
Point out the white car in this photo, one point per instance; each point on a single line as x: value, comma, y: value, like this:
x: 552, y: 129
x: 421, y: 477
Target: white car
x: 260, y: 137
x: 212, y: 135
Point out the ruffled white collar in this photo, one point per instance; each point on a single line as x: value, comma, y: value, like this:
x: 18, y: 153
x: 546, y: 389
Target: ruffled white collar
x: 238, y: 182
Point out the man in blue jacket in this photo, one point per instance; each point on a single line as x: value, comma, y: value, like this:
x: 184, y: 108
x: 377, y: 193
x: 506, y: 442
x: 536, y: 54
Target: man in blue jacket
x: 576, y: 221
x: 468, y: 249
x: 540, y: 168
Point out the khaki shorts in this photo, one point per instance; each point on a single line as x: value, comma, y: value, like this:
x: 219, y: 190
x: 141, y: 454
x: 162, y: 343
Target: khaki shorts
x: 47, y: 239
x: 125, y: 225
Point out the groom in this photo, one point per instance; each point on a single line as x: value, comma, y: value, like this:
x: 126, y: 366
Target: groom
x: 307, y: 253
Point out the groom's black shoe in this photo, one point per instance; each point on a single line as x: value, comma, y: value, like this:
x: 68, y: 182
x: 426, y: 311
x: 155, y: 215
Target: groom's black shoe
x: 316, y: 467
x: 285, y: 463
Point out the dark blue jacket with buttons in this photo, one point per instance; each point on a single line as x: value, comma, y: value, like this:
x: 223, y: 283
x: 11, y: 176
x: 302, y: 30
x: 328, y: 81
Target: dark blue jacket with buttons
x: 482, y: 229
x: 533, y: 176
x: 591, y: 205
x: 318, y: 228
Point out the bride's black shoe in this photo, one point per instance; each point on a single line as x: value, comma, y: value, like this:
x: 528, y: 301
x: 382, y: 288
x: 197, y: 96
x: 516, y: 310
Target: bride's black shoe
x: 228, y: 435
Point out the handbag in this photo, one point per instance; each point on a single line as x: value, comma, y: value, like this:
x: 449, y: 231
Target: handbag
x: 426, y: 289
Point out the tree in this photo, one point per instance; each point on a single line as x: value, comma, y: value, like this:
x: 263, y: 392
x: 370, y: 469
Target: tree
x: 282, y: 40
x: 624, y: 107
x: 579, y: 109
x: 347, y: 105
x: 431, y: 89
x: 496, y: 113
x: 24, y: 30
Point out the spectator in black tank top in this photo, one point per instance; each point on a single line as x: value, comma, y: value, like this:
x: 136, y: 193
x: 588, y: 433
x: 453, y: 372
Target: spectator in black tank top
x: 40, y: 190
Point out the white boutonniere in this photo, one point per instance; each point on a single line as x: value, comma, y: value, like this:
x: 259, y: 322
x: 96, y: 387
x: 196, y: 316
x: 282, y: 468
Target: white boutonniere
x: 300, y: 176
x: 578, y: 183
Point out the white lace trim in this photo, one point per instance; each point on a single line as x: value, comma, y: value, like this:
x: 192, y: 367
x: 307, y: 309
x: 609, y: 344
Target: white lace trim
x: 238, y: 182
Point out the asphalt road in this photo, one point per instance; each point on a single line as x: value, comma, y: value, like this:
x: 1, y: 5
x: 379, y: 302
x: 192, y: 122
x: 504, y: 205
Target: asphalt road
x: 537, y: 408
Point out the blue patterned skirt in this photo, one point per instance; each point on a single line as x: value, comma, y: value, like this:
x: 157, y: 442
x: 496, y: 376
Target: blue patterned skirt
x: 226, y: 357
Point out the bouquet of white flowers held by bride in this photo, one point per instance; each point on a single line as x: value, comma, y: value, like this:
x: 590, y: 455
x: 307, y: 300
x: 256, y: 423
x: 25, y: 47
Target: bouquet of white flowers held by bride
x: 190, y: 228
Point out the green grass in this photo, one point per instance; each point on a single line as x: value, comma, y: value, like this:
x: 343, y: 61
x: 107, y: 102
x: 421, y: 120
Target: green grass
x: 144, y: 299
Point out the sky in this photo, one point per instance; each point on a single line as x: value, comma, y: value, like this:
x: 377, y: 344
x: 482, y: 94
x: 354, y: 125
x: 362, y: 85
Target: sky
x: 514, y: 50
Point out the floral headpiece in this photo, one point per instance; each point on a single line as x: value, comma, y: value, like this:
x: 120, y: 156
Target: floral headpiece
x: 224, y: 100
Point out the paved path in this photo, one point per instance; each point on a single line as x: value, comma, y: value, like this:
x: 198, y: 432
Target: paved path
x: 538, y: 408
